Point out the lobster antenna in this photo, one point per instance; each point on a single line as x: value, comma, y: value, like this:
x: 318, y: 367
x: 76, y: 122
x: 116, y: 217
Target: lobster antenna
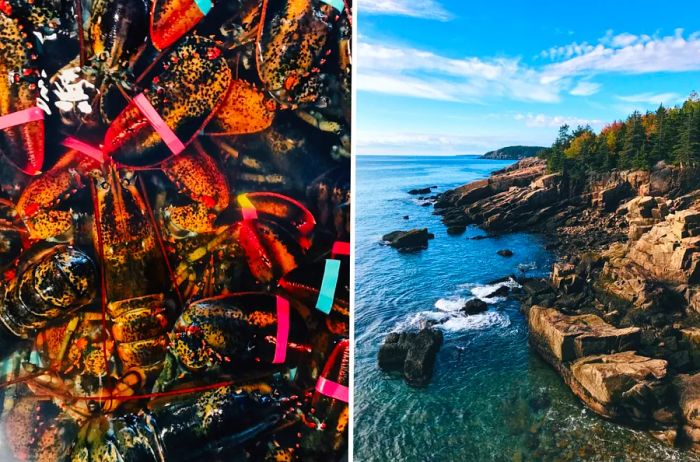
x: 103, y: 282
x: 159, y: 238
x: 78, y: 5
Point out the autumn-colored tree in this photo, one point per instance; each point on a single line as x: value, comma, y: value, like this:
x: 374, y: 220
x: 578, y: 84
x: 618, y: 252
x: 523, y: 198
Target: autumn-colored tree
x: 639, y: 142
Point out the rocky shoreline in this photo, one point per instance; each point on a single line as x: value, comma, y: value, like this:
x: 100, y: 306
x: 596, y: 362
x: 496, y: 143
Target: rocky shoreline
x: 619, y: 317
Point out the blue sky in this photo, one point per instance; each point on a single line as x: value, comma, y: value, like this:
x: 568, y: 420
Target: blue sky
x: 465, y: 77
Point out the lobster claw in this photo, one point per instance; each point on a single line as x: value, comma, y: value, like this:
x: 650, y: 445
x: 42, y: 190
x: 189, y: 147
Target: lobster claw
x: 245, y: 110
x: 22, y: 143
x: 291, y: 42
x: 279, y: 207
x: 185, y: 96
x: 275, y: 241
x: 330, y: 402
x: 236, y: 332
x: 171, y: 19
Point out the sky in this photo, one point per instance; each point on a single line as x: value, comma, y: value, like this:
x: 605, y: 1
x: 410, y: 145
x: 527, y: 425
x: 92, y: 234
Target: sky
x: 466, y: 77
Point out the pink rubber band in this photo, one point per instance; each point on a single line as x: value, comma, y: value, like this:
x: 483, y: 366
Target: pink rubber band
x: 85, y: 148
x: 333, y: 389
x: 21, y: 117
x: 166, y: 134
x: 340, y: 248
x: 282, y: 330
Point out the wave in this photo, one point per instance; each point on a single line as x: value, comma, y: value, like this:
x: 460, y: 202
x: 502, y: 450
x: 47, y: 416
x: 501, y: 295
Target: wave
x: 449, y: 305
x: 482, y: 292
x: 454, y: 322
x: 448, y: 315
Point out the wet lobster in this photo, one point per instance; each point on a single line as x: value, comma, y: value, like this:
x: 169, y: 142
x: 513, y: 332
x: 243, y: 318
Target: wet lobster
x: 170, y: 286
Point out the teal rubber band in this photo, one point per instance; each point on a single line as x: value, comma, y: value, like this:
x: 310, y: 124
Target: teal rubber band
x: 203, y: 5
x: 337, y: 4
x: 330, y: 280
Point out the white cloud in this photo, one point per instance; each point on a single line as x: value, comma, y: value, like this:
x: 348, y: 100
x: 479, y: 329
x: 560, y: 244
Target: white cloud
x: 408, y: 71
x: 567, y: 51
x: 632, y: 54
x: 427, y: 9
x: 653, y: 98
x: 623, y: 40
x: 543, y: 120
x: 585, y: 89
x: 412, y: 72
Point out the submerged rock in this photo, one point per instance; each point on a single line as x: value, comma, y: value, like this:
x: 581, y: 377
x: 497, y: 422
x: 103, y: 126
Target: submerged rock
x: 505, y: 253
x: 414, y: 239
x: 411, y: 353
x: 418, y: 191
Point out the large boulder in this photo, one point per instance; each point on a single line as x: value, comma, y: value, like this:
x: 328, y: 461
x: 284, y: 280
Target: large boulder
x: 560, y: 338
x: 688, y: 391
x: 565, y: 279
x: 690, y: 337
x: 608, y: 194
x: 414, y: 239
x: 643, y: 212
x: 623, y: 386
x: 670, y: 251
x: 411, y: 353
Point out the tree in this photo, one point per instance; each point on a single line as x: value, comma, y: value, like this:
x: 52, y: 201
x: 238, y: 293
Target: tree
x: 687, y: 152
x: 635, y: 137
x: 640, y: 141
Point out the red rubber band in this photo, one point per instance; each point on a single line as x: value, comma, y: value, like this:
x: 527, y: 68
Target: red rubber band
x: 88, y: 150
x: 282, y: 330
x: 340, y: 248
x: 333, y: 389
x: 21, y: 117
x: 166, y: 134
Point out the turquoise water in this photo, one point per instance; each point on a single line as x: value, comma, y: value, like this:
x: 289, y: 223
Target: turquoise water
x: 490, y: 398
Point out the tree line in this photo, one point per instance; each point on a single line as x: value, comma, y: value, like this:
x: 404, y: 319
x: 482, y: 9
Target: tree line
x: 671, y: 135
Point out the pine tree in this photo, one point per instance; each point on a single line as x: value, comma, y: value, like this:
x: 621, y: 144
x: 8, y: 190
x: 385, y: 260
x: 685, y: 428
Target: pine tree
x: 687, y: 151
x: 661, y: 146
x: 635, y: 138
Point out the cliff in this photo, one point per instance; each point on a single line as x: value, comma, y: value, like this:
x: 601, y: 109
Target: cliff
x: 619, y: 317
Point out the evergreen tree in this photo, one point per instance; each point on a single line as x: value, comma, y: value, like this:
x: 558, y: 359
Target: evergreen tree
x: 687, y: 151
x: 668, y: 134
x: 635, y: 138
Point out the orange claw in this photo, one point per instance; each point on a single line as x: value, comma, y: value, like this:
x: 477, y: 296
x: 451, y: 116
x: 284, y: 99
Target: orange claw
x: 291, y: 41
x: 274, y: 241
x: 285, y: 209
x: 185, y: 95
x: 171, y: 19
x: 22, y: 144
x: 198, y: 176
x: 245, y: 110
x: 197, y: 173
x: 37, y: 204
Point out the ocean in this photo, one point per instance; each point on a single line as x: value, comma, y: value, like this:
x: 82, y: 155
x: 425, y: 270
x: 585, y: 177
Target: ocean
x: 491, y: 398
